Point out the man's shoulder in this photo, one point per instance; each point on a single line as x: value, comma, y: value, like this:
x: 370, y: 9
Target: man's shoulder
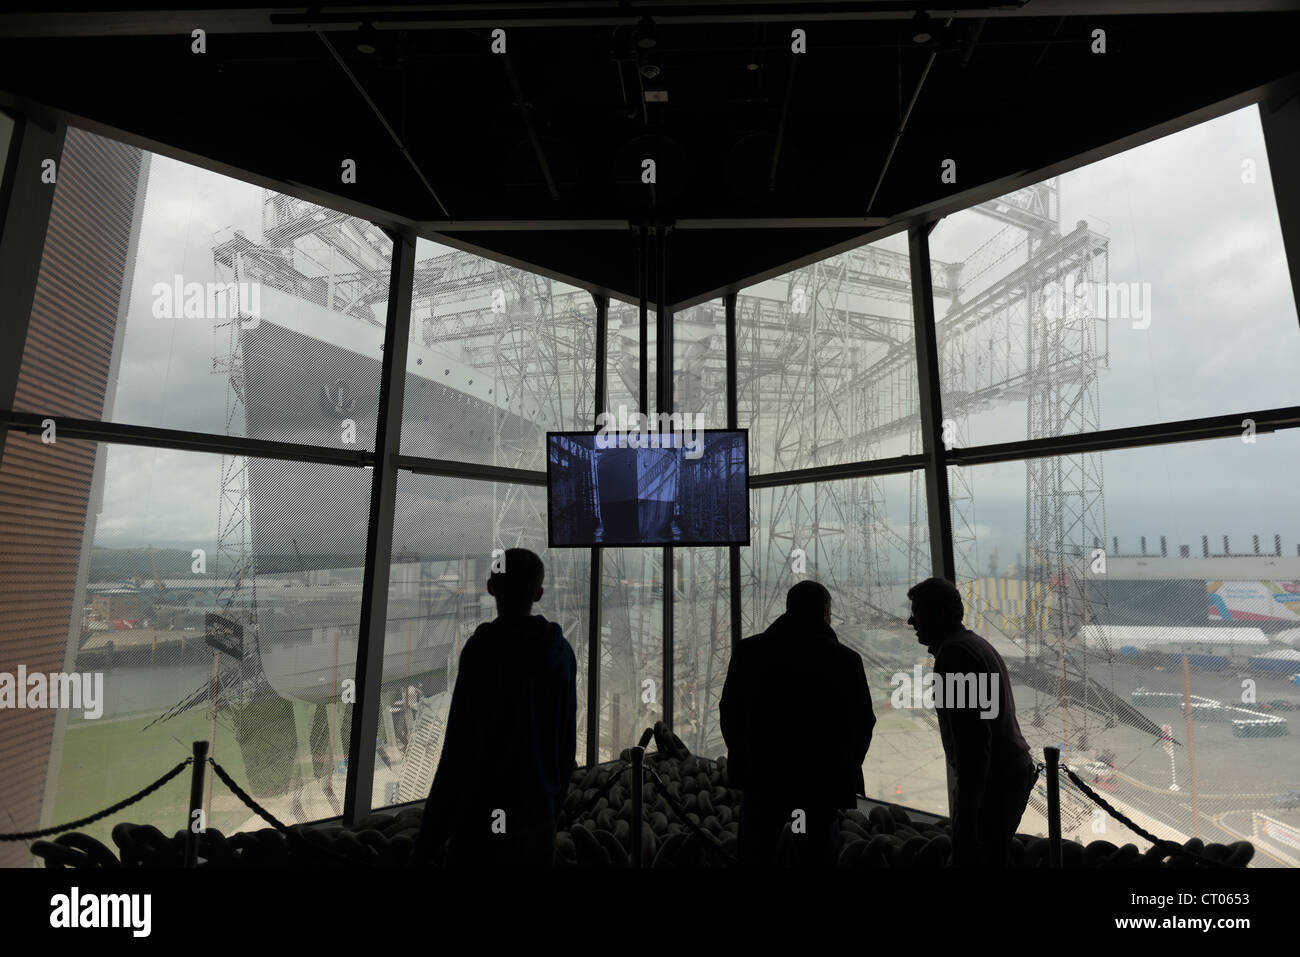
x: 569, y: 654
x: 966, y: 646
x: 749, y: 651
x: 547, y: 627
x: 479, y: 640
x: 845, y: 653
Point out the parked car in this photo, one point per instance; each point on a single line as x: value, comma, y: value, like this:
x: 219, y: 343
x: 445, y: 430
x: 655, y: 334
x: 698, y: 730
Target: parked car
x: 1288, y: 799
x: 1101, y: 775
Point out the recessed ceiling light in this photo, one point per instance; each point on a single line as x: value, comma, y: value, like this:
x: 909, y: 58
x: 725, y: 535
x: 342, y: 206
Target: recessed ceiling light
x: 921, y: 27
x: 366, y: 38
x: 644, y: 34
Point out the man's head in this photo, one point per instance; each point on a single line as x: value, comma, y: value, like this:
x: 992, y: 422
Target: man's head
x: 809, y: 601
x: 519, y: 585
x: 937, y: 609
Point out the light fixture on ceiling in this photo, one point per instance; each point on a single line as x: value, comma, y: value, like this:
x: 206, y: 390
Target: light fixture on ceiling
x: 366, y: 36
x: 644, y: 34
x: 922, y: 28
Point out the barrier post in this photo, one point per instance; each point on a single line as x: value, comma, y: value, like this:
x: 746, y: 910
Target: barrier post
x: 196, y: 804
x: 638, y: 787
x: 1053, y: 756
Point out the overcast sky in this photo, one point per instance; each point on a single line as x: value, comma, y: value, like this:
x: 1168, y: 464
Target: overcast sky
x: 1223, y: 337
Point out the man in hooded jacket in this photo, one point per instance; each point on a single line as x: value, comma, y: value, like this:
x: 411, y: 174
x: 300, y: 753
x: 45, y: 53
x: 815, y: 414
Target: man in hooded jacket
x: 797, y: 719
x: 511, y: 738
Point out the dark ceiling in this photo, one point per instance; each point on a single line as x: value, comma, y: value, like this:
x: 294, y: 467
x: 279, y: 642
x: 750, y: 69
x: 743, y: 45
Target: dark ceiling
x: 557, y: 128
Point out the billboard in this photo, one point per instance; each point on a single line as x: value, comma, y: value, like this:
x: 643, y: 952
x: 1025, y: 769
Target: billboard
x: 1254, y: 601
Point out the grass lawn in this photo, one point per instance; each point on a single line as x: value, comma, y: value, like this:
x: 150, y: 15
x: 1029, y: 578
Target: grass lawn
x: 105, y: 762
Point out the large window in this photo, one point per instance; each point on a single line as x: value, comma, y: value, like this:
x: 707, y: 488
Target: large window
x: 233, y: 309
x: 623, y: 358
x: 826, y: 365
x: 1148, y: 287
x: 859, y: 538
x: 1093, y: 301
x: 216, y: 585
x: 826, y: 376
x: 153, y: 575
x: 701, y: 591
x: 445, y: 531
x: 1094, y: 600
x: 498, y: 357
x: 631, y: 646
x: 171, y: 297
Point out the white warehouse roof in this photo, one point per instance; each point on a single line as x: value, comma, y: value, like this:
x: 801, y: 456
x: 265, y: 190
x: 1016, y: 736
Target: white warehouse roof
x: 1143, y: 637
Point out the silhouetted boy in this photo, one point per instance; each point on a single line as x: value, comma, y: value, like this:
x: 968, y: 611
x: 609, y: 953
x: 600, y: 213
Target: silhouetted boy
x: 796, y: 715
x: 981, y: 738
x: 511, y: 737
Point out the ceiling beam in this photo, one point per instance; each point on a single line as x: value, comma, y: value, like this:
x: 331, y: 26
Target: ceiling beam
x: 72, y: 20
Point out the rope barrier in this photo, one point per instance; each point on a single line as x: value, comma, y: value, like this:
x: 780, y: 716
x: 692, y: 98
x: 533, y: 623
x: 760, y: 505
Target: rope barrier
x: 614, y: 776
x: 711, y: 842
x: 1173, y: 847
x: 275, y: 823
x: 245, y: 797
x: 127, y: 802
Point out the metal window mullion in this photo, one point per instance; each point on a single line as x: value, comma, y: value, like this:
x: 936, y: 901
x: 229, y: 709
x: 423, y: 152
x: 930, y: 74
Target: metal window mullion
x: 121, y: 433
x: 664, y: 401
x: 931, y: 409
x: 1183, y: 430
x: 1131, y: 437
x: 832, y: 473
x: 379, y: 536
x: 931, y: 406
x: 733, y: 419
x: 642, y: 294
x: 1106, y: 440
x: 25, y: 204
x: 596, y: 565
x: 470, y: 470
x: 1280, y: 123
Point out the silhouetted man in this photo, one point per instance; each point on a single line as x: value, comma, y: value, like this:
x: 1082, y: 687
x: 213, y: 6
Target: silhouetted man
x: 977, y: 722
x: 511, y: 737
x: 796, y: 715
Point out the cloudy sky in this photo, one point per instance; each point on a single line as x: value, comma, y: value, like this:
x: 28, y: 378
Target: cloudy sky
x: 1223, y: 337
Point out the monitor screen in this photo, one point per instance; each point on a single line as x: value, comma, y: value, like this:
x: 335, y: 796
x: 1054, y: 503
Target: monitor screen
x: 648, y: 488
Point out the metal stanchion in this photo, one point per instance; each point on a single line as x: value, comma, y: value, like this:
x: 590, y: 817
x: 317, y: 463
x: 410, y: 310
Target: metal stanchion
x: 196, y: 804
x: 1053, y: 756
x: 638, y: 787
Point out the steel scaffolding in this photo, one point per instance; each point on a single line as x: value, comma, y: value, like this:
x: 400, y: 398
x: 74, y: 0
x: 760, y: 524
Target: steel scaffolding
x: 827, y: 375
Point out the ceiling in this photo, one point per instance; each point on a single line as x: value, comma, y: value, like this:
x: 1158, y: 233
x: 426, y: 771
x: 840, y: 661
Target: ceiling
x: 449, y: 137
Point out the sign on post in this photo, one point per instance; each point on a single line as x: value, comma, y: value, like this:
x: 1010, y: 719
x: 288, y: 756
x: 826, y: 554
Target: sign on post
x: 224, y: 635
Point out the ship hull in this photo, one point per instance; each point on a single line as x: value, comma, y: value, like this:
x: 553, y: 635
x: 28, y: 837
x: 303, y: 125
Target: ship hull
x: 300, y: 388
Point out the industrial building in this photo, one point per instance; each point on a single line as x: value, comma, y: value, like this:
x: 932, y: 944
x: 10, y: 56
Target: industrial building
x: 292, y: 299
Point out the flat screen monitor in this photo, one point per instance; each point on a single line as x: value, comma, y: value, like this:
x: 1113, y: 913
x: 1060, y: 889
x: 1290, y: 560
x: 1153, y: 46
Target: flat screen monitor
x: 689, y: 488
